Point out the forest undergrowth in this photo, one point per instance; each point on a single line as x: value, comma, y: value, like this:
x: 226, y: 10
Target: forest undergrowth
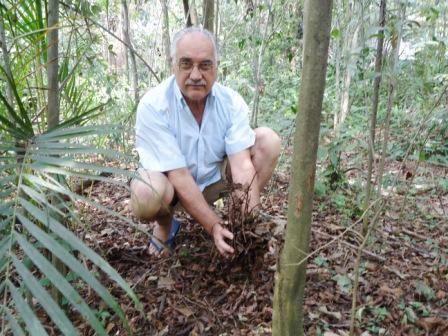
x: 403, y: 286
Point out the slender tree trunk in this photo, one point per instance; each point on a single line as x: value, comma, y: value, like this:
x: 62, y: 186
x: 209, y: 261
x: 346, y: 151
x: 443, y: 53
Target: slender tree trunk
x: 53, y: 64
x: 345, y: 95
x: 190, y: 13
x: 217, y: 18
x: 124, y: 32
x: 209, y: 14
x: 6, y: 61
x: 53, y: 101
x: 290, y: 276
x: 376, y: 90
x: 187, y: 13
x: 392, y: 88
x: 166, y: 35
x: 337, y: 64
x: 127, y: 39
x: 257, y: 70
x: 194, y: 14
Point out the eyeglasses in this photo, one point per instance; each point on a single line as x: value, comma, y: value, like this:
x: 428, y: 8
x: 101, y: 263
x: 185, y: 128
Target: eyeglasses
x: 188, y: 65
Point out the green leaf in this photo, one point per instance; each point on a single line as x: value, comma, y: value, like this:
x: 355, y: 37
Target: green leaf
x: 423, y: 289
x: 62, y: 148
x: 68, y: 259
x: 42, y: 199
x: 410, y: 314
x: 336, y: 34
x: 62, y: 162
x: 359, y: 313
x: 78, y: 245
x: 48, y: 304
x: 27, y: 314
x: 15, y: 327
x: 344, y: 283
x: 5, y: 245
x: 59, y: 281
x: 55, y: 186
x: 422, y: 156
x: 68, y: 133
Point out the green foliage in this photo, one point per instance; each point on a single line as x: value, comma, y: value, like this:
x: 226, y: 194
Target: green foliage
x: 32, y: 226
x: 36, y: 204
x: 423, y: 289
x: 344, y: 283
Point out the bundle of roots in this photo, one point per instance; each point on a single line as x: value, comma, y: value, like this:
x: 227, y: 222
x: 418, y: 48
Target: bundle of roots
x: 242, y: 222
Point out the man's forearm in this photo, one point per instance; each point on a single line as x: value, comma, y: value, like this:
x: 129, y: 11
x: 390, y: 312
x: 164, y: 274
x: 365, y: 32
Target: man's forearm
x: 192, y: 199
x: 243, y: 171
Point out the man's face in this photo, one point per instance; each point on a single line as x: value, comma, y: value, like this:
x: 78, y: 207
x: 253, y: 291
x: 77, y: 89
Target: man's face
x: 195, y: 67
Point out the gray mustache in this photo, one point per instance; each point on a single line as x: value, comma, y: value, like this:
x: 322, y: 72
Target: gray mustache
x: 196, y: 83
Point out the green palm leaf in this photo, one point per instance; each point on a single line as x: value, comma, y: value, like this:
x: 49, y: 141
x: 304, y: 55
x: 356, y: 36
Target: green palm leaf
x: 50, y: 306
x: 33, y: 178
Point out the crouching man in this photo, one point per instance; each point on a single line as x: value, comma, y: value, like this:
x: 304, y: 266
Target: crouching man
x: 186, y: 128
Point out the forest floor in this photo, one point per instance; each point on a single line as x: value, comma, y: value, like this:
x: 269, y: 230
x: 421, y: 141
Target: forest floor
x: 403, y: 275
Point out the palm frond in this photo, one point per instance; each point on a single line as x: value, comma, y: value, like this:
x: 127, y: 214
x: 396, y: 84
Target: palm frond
x: 33, y: 226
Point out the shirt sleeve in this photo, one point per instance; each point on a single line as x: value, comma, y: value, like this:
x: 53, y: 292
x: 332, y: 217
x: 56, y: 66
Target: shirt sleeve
x: 239, y: 135
x: 156, y: 143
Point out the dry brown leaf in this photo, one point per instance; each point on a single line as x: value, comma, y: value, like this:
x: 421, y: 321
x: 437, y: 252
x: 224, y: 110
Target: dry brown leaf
x: 431, y: 323
x: 187, y: 312
x: 395, y: 292
x: 165, y: 282
x: 324, y: 310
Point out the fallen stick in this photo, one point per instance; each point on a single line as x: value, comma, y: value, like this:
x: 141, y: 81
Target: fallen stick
x: 368, y: 254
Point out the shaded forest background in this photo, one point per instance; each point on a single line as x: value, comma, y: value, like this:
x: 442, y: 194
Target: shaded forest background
x: 109, y: 53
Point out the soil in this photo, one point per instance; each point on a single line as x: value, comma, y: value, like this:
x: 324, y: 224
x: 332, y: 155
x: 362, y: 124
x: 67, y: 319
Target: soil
x: 403, y: 273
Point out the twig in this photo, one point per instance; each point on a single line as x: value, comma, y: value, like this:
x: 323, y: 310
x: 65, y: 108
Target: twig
x: 337, y: 237
x: 396, y: 272
x: 357, y: 266
x: 368, y: 254
x: 413, y: 234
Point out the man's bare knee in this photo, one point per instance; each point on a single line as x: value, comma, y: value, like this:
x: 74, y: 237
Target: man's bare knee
x: 267, y: 144
x: 151, y: 195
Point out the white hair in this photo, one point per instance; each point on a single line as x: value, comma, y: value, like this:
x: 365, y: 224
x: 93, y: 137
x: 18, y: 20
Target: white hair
x: 189, y: 30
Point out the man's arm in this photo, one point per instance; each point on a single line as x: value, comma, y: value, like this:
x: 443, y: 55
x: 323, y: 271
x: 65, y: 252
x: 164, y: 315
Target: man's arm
x: 243, y: 171
x: 194, y: 202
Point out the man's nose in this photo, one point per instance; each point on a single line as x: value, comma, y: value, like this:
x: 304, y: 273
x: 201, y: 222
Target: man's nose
x: 195, y: 74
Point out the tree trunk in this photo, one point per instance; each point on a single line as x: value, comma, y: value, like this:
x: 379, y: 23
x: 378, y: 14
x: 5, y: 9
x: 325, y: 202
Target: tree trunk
x: 290, y: 276
x: 258, y: 63
x: 53, y: 64
x: 166, y: 35
x: 187, y: 13
x: 53, y: 101
x: 124, y: 27
x: 217, y: 19
x: 6, y: 61
x: 396, y: 40
x: 190, y: 13
x: 376, y: 90
x: 345, y: 95
x: 209, y: 14
x: 127, y: 39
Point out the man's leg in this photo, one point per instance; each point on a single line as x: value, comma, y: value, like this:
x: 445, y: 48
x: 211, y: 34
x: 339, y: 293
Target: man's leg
x: 264, y: 154
x: 150, y: 200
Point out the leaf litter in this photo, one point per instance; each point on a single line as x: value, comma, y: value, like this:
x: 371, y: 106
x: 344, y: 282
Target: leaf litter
x: 403, y: 283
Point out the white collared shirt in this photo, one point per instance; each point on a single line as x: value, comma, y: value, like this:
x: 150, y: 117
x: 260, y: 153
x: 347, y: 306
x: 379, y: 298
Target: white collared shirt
x: 168, y: 136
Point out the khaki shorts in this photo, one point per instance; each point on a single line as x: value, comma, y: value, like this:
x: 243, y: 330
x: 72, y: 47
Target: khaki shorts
x: 219, y: 189
x: 214, y: 191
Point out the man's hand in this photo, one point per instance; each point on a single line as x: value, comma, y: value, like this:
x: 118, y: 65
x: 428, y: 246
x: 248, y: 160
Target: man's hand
x: 219, y: 233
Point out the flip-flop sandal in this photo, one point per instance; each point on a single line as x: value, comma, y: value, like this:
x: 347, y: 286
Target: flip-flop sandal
x: 175, y: 227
